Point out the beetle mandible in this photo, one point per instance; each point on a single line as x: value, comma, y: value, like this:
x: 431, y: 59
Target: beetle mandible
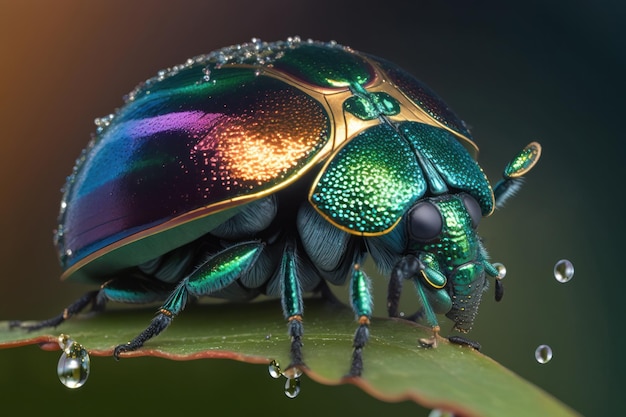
x: 276, y: 168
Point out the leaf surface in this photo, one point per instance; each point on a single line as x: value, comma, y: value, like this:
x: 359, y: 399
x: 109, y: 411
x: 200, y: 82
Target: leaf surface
x: 450, y: 377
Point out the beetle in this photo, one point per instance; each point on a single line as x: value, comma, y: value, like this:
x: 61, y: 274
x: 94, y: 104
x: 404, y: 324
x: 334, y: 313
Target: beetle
x: 277, y: 168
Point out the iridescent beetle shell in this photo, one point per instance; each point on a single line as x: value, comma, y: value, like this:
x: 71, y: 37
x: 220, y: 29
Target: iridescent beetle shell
x: 193, y: 145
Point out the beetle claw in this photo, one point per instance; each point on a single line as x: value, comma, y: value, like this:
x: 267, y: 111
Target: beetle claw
x: 430, y: 342
x: 119, y: 349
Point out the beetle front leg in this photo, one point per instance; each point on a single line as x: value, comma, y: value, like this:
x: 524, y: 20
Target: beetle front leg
x: 394, y: 291
x: 429, y: 315
x: 430, y: 284
x: 406, y: 268
x: 422, y: 269
x: 216, y: 273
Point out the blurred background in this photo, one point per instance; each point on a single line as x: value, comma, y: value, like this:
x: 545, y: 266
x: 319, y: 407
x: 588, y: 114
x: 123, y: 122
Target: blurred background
x: 545, y: 71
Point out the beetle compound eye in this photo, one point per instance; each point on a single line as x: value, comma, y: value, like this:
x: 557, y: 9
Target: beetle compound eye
x: 425, y: 221
x: 473, y: 209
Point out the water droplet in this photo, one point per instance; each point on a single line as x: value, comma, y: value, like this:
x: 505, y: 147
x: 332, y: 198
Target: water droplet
x: 207, y: 74
x: 543, y: 353
x: 101, y: 124
x: 65, y: 342
x: 563, y: 271
x: 274, y: 369
x: 73, y: 366
x: 292, y: 387
x: 440, y: 413
x: 293, y: 373
x: 501, y: 270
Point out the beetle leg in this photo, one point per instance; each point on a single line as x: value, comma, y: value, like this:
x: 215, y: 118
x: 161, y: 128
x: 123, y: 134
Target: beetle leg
x: 217, y: 272
x: 291, y: 300
x: 133, y: 290
x: 411, y: 267
x: 430, y: 285
x: 361, y: 300
x: 406, y: 268
x: 394, y: 290
x: 429, y: 342
x: 73, y: 309
x: 431, y: 318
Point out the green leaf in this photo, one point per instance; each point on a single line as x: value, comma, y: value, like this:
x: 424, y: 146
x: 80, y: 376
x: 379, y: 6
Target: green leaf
x: 450, y: 377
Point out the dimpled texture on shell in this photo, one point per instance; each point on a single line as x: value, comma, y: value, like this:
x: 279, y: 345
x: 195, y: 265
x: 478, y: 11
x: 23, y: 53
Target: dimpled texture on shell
x: 198, y: 141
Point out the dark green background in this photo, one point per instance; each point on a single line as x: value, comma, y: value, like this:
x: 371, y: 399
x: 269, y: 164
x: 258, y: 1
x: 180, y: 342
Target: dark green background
x: 551, y: 72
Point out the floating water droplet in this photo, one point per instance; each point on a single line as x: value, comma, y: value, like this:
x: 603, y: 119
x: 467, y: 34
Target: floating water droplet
x: 543, y: 353
x: 274, y: 369
x: 74, y: 364
x: 292, y: 387
x: 563, y: 270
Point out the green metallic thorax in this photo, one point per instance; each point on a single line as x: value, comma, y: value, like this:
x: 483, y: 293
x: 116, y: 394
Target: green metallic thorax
x: 459, y: 242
